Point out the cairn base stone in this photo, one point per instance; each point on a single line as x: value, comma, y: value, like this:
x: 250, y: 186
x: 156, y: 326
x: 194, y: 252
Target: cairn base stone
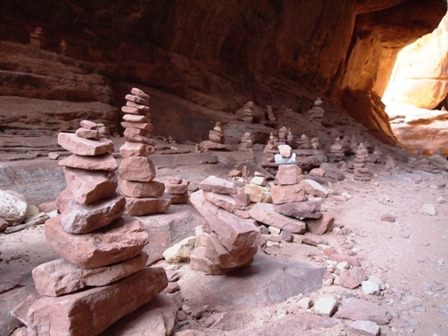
x: 147, y: 206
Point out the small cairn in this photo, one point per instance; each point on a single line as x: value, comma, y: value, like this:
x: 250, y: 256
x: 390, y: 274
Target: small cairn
x: 270, y: 149
x: 37, y: 38
x: 215, y: 139
x: 282, y: 135
x: 315, y: 143
x: 303, y: 142
x: 103, y: 266
x: 248, y: 115
x: 63, y: 46
x: 144, y: 195
x: 225, y: 241
x: 290, y: 138
x: 246, y: 143
x: 316, y: 113
x: 361, y: 171
x: 336, y: 151
x: 376, y: 156
x: 177, y: 189
x: 270, y: 116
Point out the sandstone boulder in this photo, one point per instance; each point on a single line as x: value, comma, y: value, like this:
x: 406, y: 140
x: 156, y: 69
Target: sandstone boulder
x: 84, y: 147
x: 265, y: 213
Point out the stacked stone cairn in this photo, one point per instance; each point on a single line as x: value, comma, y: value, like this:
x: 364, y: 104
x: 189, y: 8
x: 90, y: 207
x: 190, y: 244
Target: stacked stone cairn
x: 315, y: 143
x: 225, y: 241
x: 177, y: 189
x: 316, y: 113
x: 270, y: 149
x: 102, y: 276
x: 361, y: 171
x: 248, y: 115
x: 296, y: 204
x: 246, y: 143
x: 36, y: 38
x: 282, y: 135
x: 336, y: 151
x: 303, y: 142
x: 63, y: 46
x: 215, y: 139
x: 144, y: 195
x: 270, y: 116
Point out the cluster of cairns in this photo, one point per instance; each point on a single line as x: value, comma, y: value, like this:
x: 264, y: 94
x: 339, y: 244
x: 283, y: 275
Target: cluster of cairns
x: 144, y: 195
x: 228, y: 239
x: 101, y: 276
x: 316, y: 113
x: 215, y: 140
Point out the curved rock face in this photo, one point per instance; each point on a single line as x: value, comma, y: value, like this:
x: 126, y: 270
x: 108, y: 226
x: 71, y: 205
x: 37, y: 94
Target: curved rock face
x: 224, y: 54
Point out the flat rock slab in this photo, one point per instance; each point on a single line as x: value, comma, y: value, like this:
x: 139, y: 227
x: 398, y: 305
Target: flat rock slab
x: 86, y: 147
x: 91, y: 311
x: 123, y: 239
x: 218, y: 185
x: 101, y: 162
x: 362, y: 310
x: 300, y: 210
x: 59, y: 277
x: 147, y: 206
x: 264, y: 282
x: 265, y: 213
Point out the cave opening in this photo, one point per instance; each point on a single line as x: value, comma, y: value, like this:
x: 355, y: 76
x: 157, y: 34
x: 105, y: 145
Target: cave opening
x: 416, y: 95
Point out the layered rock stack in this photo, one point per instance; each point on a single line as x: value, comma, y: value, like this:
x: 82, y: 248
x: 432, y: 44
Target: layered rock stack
x: 102, y: 276
x: 270, y: 149
x: 270, y: 116
x: 246, y: 143
x: 316, y: 113
x: 303, y: 142
x: 63, y: 46
x: 215, y: 139
x: 37, y: 38
x: 315, y: 143
x: 336, y: 151
x: 282, y: 135
x: 177, y: 189
x: 144, y: 195
x: 248, y: 115
x: 226, y: 241
x: 361, y: 171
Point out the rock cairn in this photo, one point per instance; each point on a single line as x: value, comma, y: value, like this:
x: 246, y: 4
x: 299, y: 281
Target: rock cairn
x: 144, y: 195
x: 303, y: 142
x: 63, y: 46
x: 336, y: 151
x: 296, y: 204
x: 270, y: 116
x: 316, y: 113
x: 226, y: 241
x: 315, y: 143
x: 246, y: 143
x: 282, y: 135
x: 37, y: 38
x: 248, y: 115
x: 270, y: 149
x: 177, y: 189
x: 215, y: 139
x: 361, y: 171
x: 103, y: 267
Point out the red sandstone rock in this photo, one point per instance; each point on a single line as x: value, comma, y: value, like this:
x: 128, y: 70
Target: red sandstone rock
x: 139, y: 169
x: 101, y: 162
x: 352, y: 278
x: 88, y: 133
x: 142, y: 189
x: 140, y: 93
x: 177, y: 189
x: 179, y: 199
x: 147, y: 206
x: 90, y: 186
x: 314, y: 188
x: 88, y: 124
x: 136, y: 99
x: 123, y: 239
x: 130, y: 131
x: 139, y: 138
x: 265, y: 213
x: 358, y: 309
x: 135, y: 149
x: 148, y: 127
x: 143, y: 108
x: 86, y: 147
x: 233, y: 232
x: 288, y: 174
x: 305, y: 209
x: 84, y: 218
x: 135, y: 118
x: 321, y: 225
x: 58, y: 277
x: 218, y: 185
x: 222, y: 201
x: 288, y: 193
x: 91, y: 311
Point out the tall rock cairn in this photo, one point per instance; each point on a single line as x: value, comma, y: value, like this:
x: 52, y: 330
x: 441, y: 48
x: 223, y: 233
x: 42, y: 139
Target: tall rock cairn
x: 144, y: 195
x: 103, y: 266
x: 361, y: 171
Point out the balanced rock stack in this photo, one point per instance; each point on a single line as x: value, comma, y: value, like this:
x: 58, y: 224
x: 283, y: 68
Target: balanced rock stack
x: 144, y: 196
x: 177, y: 189
x: 295, y: 199
x: 336, y: 151
x: 246, y: 142
x: 248, y: 115
x: 285, y: 155
x: 270, y: 149
x: 282, y: 135
x: 226, y: 241
x: 303, y: 142
x: 361, y: 170
x: 37, y: 38
x: 270, y: 116
x: 316, y: 113
x: 102, y: 276
x: 215, y: 139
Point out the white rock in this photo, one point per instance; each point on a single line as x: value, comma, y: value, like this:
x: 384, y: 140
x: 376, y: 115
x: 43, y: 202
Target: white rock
x: 258, y: 180
x: 325, y: 305
x: 305, y: 303
x: 53, y: 156
x: 342, y: 265
x: 371, y: 288
x: 428, y: 210
x: 441, y: 200
x: 12, y: 208
x: 285, y: 151
x: 273, y: 230
x: 366, y: 327
x: 281, y: 160
x: 181, y: 251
